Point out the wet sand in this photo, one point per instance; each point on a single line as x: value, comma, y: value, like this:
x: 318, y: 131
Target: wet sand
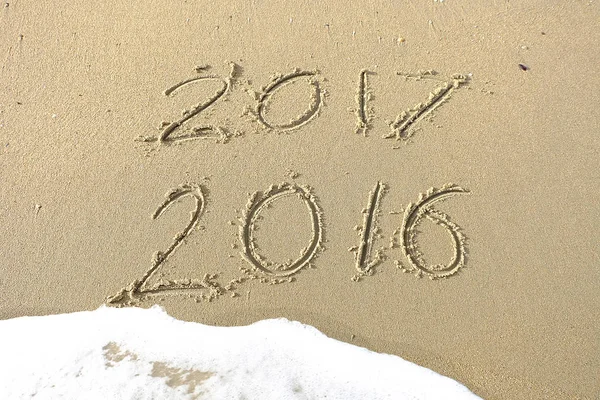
x: 418, y: 179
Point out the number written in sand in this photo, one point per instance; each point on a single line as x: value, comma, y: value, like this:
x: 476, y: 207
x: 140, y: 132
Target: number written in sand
x: 139, y: 289
x: 278, y: 83
x: 257, y: 203
x: 273, y: 273
x: 413, y: 216
x: 402, y: 128
x: 365, y: 261
x: 364, y: 113
x: 200, y: 131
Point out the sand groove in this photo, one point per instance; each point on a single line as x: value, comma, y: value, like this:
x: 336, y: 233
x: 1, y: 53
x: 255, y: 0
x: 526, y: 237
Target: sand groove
x: 257, y: 203
x: 277, y: 82
x: 138, y: 289
x: 363, y: 113
x: 413, y: 215
x: 197, y: 109
x: 402, y: 126
x: 202, y: 131
x: 364, y: 262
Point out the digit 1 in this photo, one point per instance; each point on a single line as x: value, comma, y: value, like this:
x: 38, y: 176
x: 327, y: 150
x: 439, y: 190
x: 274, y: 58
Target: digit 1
x: 364, y: 114
x: 364, y: 260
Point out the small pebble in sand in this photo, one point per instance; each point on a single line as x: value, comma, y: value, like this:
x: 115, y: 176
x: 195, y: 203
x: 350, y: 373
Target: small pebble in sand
x: 524, y: 67
x: 202, y: 68
x: 291, y: 174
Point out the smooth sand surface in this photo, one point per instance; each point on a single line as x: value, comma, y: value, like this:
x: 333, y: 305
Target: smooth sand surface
x: 98, y: 105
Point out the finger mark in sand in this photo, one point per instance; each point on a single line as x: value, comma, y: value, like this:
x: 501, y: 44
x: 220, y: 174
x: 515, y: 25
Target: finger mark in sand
x: 413, y: 215
x: 279, y: 81
x: 402, y: 126
x: 365, y: 262
x: 256, y: 204
x: 364, y: 113
x: 139, y: 289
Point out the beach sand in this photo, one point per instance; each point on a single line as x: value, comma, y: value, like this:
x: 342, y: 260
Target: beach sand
x: 289, y: 153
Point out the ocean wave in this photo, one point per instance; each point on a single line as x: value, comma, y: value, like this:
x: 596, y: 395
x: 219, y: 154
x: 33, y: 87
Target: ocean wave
x: 134, y: 353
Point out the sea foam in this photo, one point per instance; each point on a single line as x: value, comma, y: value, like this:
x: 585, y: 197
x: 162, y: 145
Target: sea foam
x: 134, y: 353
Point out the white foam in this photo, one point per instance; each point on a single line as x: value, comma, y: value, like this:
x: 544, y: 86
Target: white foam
x: 133, y: 353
